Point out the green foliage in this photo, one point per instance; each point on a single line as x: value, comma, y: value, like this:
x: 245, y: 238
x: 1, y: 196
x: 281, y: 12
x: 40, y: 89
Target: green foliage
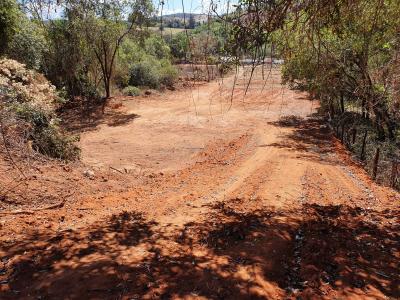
x: 156, y: 46
x: 27, y: 112
x: 204, y: 44
x: 179, y: 45
x: 145, y: 73
x: 131, y: 91
x: 105, y: 28
x: 10, y: 16
x: 168, y: 73
x: 28, y: 45
x: 68, y: 62
x: 153, y: 73
x: 343, y: 58
x: 129, y: 52
x: 45, y: 134
x: 145, y: 64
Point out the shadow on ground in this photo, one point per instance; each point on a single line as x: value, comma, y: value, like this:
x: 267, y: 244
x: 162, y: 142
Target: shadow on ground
x: 311, y: 137
x: 324, y: 251
x: 80, y: 117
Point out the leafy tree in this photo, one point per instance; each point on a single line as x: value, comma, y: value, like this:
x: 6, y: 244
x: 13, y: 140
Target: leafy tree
x: 69, y: 61
x: 340, y: 51
x: 156, y: 46
x: 105, y: 28
x: 10, y: 15
x: 28, y: 45
x: 179, y: 45
x: 88, y: 37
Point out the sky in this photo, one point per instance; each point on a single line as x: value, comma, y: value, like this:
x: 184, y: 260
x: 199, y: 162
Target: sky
x: 191, y: 6
x: 170, y: 7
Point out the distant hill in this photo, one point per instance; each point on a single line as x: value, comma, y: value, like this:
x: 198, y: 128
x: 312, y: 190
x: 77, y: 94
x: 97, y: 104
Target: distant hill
x: 187, y: 16
x: 178, y: 20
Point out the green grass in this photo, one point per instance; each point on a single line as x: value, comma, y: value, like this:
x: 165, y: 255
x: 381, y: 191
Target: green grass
x: 168, y: 31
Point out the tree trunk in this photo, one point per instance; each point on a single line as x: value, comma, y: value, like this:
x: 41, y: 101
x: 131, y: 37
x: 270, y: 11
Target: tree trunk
x: 362, y: 155
x: 107, y: 88
x: 342, y: 103
x: 376, y: 161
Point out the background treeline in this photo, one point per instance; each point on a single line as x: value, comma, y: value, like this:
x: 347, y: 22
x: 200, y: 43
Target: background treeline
x: 180, y: 20
x: 87, y: 51
x: 87, y: 48
x: 206, y: 43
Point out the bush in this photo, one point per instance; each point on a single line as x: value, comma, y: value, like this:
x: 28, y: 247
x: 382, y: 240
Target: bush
x: 129, y: 53
x: 156, y: 46
x: 28, y: 45
x: 131, y: 91
x: 168, y: 73
x: 145, y: 73
x: 179, y: 45
x: 145, y: 65
x: 44, y: 132
x: 153, y: 73
x: 27, y: 105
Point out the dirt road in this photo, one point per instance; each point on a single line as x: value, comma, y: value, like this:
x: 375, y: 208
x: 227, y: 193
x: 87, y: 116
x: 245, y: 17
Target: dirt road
x: 234, y: 197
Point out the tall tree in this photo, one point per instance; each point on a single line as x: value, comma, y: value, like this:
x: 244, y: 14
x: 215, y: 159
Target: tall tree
x: 98, y: 25
x: 105, y: 26
x: 9, y: 16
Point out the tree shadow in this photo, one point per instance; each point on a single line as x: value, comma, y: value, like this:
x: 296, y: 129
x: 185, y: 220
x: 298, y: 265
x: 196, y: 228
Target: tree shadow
x: 310, y: 137
x: 86, y: 117
x: 312, y: 252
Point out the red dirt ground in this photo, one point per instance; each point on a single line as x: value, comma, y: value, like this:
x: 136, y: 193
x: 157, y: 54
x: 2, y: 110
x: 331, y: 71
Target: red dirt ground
x: 195, y: 196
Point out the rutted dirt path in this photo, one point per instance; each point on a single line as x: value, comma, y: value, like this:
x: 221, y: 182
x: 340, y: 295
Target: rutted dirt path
x: 252, y: 199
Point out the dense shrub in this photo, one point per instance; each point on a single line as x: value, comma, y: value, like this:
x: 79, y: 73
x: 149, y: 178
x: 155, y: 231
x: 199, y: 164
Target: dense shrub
x: 179, y: 45
x: 145, y: 73
x: 10, y: 15
x: 27, y: 104
x: 28, y: 45
x: 129, y: 52
x: 145, y: 64
x: 131, y: 91
x: 156, y: 46
x: 153, y: 73
x: 168, y: 73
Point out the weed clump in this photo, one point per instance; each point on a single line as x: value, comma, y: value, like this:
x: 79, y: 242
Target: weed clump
x: 28, y: 121
x: 131, y: 91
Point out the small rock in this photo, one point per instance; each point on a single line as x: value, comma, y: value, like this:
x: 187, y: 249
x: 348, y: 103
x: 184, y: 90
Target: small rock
x: 89, y: 174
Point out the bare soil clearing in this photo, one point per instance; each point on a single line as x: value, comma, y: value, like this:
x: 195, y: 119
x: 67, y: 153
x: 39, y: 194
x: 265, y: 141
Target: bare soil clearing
x: 245, y: 199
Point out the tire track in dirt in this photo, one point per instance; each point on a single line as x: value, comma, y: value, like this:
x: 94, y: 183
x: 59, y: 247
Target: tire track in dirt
x: 263, y: 206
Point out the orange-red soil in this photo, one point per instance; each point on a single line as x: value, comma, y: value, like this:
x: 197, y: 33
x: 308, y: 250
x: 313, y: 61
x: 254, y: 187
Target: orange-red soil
x: 200, y: 195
